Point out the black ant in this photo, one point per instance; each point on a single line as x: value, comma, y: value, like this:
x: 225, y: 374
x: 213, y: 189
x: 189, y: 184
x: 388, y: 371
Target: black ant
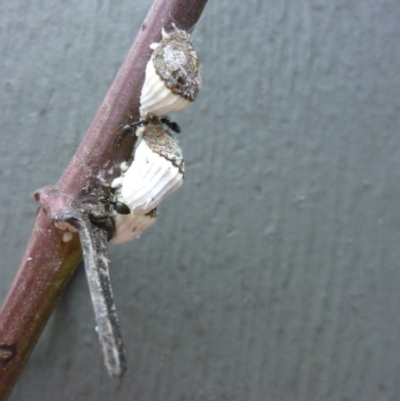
x: 171, y: 124
x: 127, y: 129
x: 119, y: 207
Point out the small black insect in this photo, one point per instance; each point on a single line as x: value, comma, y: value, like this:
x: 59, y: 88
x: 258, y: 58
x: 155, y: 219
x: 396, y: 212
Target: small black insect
x: 119, y: 207
x: 128, y: 129
x: 171, y: 124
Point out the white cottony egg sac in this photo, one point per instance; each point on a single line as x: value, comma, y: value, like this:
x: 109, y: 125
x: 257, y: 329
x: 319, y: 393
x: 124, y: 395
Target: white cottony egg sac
x: 149, y: 180
x: 131, y: 226
x: 172, y: 75
x: 157, y: 171
x: 156, y: 98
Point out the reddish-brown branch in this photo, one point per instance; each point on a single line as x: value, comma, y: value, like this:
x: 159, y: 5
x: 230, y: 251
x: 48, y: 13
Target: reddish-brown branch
x: 49, y: 263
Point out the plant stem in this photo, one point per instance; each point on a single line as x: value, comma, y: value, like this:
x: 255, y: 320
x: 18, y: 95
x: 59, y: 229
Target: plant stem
x: 49, y: 263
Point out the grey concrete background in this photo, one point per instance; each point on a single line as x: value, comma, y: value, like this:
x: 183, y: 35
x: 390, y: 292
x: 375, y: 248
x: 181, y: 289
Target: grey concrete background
x: 273, y: 274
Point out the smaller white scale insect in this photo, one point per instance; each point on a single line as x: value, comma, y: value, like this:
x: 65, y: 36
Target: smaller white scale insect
x: 157, y: 171
x: 172, y: 75
x: 131, y: 226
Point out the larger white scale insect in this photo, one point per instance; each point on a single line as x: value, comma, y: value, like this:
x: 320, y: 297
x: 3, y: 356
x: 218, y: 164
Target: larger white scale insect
x: 157, y: 171
x: 172, y: 75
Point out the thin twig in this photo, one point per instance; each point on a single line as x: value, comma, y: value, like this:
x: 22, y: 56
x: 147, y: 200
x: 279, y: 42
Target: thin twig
x: 94, y: 246
x: 95, y: 227
x: 49, y: 263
